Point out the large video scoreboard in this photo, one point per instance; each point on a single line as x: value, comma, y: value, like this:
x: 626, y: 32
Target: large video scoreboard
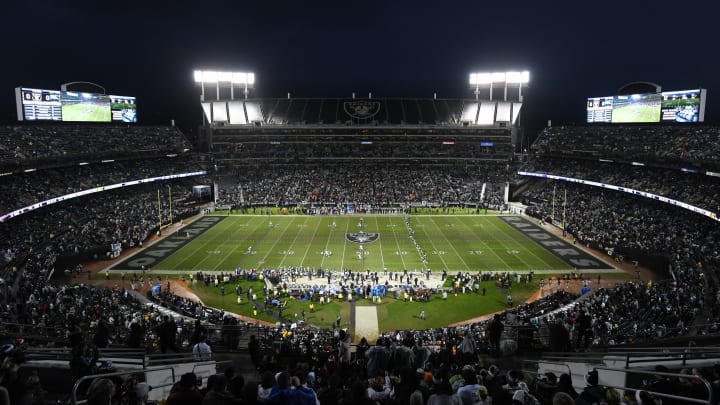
x: 70, y: 106
x: 668, y: 106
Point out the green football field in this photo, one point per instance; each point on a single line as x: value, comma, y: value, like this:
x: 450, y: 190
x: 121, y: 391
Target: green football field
x: 86, y: 112
x: 454, y: 243
x: 636, y: 113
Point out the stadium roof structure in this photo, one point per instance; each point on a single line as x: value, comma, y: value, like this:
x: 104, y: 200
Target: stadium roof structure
x: 362, y: 112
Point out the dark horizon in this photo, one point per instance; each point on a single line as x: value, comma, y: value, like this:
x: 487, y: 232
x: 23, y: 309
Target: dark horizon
x: 326, y: 49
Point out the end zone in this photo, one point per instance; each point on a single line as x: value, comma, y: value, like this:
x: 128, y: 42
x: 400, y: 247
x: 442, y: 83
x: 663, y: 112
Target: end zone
x: 558, y: 247
x: 154, y: 254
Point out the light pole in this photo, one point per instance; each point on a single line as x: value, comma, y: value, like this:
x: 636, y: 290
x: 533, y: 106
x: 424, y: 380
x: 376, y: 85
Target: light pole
x: 170, y: 203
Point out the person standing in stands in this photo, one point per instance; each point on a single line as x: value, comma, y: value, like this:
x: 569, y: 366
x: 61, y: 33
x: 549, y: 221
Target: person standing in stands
x: 254, y: 349
x: 166, y: 333
x: 467, y: 348
x: 201, y: 351
x: 495, y: 330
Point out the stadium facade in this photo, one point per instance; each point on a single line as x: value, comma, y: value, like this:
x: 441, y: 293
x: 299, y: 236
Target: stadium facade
x: 385, y: 135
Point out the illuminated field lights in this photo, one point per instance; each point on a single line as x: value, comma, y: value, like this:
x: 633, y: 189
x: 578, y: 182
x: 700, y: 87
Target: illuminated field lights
x: 211, y: 76
x: 480, y: 79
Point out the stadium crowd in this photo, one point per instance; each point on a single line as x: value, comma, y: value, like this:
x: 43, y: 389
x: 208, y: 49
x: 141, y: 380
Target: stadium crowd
x: 444, y: 365
x: 306, y: 365
x: 697, y: 144
x: 23, y: 189
x: 382, y: 148
x: 34, y: 240
x: 24, y: 145
x: 378, y: 185
x: 75, y: 226
x: 618, y: 223
x: 696, y: 189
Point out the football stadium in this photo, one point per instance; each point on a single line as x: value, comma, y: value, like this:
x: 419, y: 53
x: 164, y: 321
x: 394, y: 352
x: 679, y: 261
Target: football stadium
x: 311, y: 250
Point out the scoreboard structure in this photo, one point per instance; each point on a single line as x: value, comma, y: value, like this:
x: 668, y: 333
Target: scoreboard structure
x: 72, y: 106
x: 682, y: 106
x: 38, y: 105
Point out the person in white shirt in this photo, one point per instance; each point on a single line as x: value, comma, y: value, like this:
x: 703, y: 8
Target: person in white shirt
x: 201, y: 351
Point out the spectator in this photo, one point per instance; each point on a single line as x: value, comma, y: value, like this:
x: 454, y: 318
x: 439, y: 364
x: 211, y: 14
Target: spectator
x: 100, y: 392
x: 358, y: 395
x: 201, y: 351
x: 562, y: 398
x: 381, y: 389
x: 235, y: 382
x: 185, y: 392
x: 467, y: 392
x: 218, y: 393
x: 444, y: 395
x: 593, y: 393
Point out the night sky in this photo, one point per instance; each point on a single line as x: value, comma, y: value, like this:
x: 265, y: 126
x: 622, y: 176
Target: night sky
x: 573, y: 49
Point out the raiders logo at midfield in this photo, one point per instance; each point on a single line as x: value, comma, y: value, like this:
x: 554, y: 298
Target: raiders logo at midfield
x: 361, y: 109
x: 362, y: 237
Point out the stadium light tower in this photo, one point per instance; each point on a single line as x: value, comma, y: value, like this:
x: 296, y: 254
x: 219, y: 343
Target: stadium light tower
x: 503, y: 80
x: 244, y: 80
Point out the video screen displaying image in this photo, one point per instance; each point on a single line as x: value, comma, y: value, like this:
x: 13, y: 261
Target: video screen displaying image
x: 637, y: 108
x: 681, y: 106
x: 123, y: 109
x: 87, y: 107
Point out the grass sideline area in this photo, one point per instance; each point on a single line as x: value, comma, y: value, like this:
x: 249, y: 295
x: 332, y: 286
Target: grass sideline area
x: 393, y: 313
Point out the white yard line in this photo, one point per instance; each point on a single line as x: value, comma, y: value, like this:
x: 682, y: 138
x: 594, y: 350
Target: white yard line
x: 277, y: 239
x: 450, y: 243
x: 292, y: 244
x: 307, y: 249
x: 379, y: 240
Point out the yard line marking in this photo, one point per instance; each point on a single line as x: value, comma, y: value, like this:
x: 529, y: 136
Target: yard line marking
x: 309, y: 245
x: 345, y: 244
x: 449, y: 243
x: 487, y: 246
x: 208, y: 242
x: 549, y: 266
x: 293, y: 244
x: 382, y: 258
x: 399, y: 249
x: 434, y: 247
x: 277, y: 239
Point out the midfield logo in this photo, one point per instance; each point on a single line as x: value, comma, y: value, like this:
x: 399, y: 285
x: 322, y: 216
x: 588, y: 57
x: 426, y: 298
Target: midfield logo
x: 362, y: 237
x: 361, y: 109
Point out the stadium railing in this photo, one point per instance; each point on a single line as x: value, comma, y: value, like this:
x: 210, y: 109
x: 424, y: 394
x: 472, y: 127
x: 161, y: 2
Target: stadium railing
x: 625, y: 372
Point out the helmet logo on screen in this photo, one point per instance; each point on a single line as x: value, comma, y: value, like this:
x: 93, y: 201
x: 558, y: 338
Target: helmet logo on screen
x: 361, y: 109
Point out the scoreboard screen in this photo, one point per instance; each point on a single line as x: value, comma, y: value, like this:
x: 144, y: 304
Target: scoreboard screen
x: 123, y: 109
x: 668, y: 106
x: 683, y: 106
x: 599, y: 109
x: 70, y: 106
x: 38, y: 105
x: 85, y: 107
x: 636, y: 108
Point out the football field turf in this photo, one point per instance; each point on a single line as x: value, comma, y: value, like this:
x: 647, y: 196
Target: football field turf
x: 636, y: 113
x: 454, y: 243
x: 86, y: 112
